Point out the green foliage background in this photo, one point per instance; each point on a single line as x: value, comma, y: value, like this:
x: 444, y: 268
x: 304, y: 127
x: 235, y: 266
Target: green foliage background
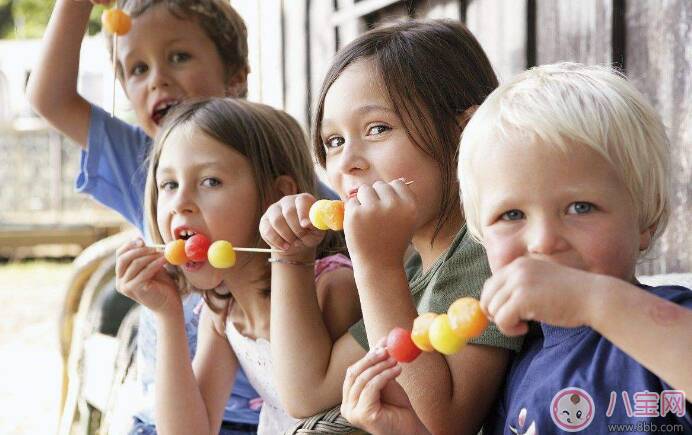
x: 20, y: 19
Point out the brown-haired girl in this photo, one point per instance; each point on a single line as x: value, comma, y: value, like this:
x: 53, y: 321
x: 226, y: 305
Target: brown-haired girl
x: 391, y: 111
x: 214, y: 169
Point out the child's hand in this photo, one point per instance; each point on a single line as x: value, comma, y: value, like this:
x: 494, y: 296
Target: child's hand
x: 529, y: 289
x: 374, y: 401
x: 140, y: 276
x: 379, y: 222
x: 286, y: 225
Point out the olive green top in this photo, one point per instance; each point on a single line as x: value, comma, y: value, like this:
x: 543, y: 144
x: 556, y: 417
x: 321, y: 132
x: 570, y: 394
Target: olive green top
x: 460, y: 271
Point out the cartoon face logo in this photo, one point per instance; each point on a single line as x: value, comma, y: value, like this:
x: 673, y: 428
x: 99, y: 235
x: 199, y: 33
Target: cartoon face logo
x: 572, y: 409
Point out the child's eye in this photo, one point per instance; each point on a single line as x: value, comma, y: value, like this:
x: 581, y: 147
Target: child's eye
x: 377, y: 129
x: 168, y: 185
x: 211, y: 182
x: 580, y: 208
x: 334, y: 142
x: 138, y: 69
x: 179, y: 57
x: 512, y: 215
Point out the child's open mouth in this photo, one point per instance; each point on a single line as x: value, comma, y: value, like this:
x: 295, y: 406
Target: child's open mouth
x: 161, y: 110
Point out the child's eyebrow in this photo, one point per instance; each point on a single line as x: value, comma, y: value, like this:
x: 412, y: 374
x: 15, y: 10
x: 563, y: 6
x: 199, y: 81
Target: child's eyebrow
x: 362, y: 110
x: 197, y: 167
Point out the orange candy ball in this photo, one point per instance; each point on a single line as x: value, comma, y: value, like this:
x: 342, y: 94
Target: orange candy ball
x: 175, y: 252
x: 115, y: 21
x: 420, y: 333
x: 466, y: 318
x: 327, y: 215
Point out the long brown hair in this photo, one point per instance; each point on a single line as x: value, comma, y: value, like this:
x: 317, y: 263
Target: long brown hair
x: 435, y: 71
x: 271, y: 140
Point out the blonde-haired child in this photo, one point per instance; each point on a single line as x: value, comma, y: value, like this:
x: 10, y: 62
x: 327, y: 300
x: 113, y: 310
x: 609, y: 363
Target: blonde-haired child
x: 563, y: 175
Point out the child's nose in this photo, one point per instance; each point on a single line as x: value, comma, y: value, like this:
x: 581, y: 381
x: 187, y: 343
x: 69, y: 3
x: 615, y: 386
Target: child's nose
x: 545, y: 238
x: 352, y: 158
x: 158, y: 78
x: 183, y: 202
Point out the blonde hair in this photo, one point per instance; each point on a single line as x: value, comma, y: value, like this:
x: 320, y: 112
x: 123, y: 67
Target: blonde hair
x: 568, y: 104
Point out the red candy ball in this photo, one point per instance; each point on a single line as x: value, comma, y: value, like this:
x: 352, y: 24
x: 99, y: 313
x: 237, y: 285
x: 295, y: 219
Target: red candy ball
x: 196, y: 248
x: 400, y: 346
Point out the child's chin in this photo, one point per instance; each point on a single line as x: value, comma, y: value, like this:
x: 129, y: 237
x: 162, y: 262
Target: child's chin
x: 204, y: 281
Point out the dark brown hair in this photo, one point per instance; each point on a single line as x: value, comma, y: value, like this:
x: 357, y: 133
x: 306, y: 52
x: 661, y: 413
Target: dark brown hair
x: 435, y: 70
x: 222, y: 24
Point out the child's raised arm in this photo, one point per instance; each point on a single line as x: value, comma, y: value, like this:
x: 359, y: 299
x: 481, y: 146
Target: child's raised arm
x: 309, y: 320
x: 52, y: 87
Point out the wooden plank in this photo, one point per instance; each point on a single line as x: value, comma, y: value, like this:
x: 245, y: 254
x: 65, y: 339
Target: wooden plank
x: 322, y: 39
x: 439, y: 9
x: 659, y: 63
x: 577, y: 31
x: 295, y: 19
x: 500, y: 27
x: 350, y: 11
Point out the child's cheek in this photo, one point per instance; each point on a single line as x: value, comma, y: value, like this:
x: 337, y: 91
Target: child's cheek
x: 501, y: 249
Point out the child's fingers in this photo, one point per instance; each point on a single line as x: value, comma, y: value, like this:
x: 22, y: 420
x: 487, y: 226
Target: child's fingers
x: 128, y: 253
x: 509, y: 320
x: 403, y: 189
x: 281, y: 228
x: 303, y: 204
x: 366, y: 375
x: 292, y: 220
x: 370, y: 358
x: 138, y: 264
x: 270, y: 235
x: 385, y: 192
x: 366, y: 195
x: 372, y: 391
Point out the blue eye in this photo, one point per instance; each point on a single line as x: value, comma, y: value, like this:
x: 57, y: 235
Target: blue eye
x: 168, y: 185
x: 512, y: 215
x: 211, y: 182
x: 580, y: 208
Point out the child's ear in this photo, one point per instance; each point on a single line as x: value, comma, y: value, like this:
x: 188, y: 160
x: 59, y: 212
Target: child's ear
x: 464, y: 117
x: 237, y: 83
x: 285, y: 185
x: 645, y: 237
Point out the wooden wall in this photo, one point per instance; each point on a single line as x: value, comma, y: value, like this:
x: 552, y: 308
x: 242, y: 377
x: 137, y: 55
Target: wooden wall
x: 649, y: 39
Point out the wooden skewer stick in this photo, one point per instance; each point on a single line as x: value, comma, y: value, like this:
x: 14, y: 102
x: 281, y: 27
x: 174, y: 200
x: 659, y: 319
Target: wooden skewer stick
x: 159, y: 246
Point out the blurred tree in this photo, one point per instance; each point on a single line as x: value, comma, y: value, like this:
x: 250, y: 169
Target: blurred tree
x: 21, y: 19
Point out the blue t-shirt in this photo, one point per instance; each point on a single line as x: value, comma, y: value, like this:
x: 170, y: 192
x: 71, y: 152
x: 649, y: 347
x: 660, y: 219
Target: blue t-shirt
x: 575, y: 380
x: 113, y: 171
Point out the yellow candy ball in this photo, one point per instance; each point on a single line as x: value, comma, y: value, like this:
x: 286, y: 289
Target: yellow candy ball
x: 221, y: 254
x: 175, y: 252
x: 443, y: 338
x: 317, y: 214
